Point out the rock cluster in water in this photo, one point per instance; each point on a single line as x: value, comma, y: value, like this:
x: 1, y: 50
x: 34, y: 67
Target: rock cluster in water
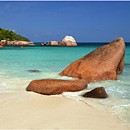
x: 42, y: 44
x: 53, y: 43
x: 101, y: 64
x: 67, y: 41
x: 4, y: 42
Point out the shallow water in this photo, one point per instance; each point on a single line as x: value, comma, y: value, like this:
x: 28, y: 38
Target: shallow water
x: 47, y: 61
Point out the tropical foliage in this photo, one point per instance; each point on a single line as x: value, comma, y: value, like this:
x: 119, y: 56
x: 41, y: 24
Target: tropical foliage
x: 11, y: 36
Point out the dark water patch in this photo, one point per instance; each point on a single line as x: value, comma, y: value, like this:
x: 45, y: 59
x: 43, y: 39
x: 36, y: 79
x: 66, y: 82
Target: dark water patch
x: 127, y: 65
x: 89, y: 44
x: 127, y: 44
x: 34, y: 71
x: 79, y: 44
x: 18, y: 47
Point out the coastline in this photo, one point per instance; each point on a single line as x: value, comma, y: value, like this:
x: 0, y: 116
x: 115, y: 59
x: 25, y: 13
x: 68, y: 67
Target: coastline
x: 26, y: 110
x: 23, y: 110
x: 64, y: 65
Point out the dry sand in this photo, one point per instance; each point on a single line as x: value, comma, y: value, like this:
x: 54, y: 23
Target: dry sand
x: 27, y: 110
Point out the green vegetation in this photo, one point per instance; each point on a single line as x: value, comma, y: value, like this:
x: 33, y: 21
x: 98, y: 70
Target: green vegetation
x: 11, y: 36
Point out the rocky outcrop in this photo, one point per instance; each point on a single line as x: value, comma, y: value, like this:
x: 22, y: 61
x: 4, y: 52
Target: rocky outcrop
x: 23, y: 43
x: 53, y: 43
x: 96, y: 93
x: 56, y: 86
x: 101, y: 64
x: 43, y: 44
x: 68, y: 41
x: 4, y: 42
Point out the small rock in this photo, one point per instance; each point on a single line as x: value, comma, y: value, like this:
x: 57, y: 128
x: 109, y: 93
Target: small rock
x: 53, y: 43
x: 96, y: 93
x: 43, y: 44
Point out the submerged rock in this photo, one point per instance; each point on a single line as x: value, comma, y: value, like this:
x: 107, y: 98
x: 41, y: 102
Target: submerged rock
x: 56, y: 86
x: 34, y: 71
x: 68, y: 41
x: 96, y: 93
x: 101, y: 64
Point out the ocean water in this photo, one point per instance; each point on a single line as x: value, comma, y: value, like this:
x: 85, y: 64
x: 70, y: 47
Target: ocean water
x: 17, y: 64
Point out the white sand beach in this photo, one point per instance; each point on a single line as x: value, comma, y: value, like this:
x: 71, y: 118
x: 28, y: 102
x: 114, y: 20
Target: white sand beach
x: 28, y: 110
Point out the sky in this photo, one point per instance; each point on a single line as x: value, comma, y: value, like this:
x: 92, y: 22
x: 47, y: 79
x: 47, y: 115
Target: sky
x: 86, y: 21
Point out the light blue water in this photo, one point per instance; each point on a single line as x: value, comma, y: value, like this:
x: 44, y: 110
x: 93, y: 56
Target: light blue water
x: 14, y: 75
x: 15, y: 63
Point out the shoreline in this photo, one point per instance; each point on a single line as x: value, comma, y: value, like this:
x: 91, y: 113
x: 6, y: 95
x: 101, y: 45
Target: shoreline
x: 98, y: 105
x: 103, y: 110
x: 28, y: 110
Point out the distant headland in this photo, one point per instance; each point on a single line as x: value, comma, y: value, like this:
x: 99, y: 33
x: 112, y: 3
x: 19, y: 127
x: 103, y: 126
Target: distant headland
x: 10, y: 38
x: 66, y: 41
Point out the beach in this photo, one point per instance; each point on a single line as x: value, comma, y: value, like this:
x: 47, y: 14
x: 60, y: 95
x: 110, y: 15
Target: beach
x: 57, y: 70
x: 22, y: 110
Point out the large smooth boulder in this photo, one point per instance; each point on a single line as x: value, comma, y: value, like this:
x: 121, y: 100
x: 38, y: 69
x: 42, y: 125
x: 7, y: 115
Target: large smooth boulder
x: 96, y: 93
x: 101, y: 64
x: 68, y: 41
x: 56, y: 86
x: 53, y: 43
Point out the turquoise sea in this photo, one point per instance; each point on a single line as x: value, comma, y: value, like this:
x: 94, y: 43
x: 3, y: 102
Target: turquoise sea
x: 15, y: 74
